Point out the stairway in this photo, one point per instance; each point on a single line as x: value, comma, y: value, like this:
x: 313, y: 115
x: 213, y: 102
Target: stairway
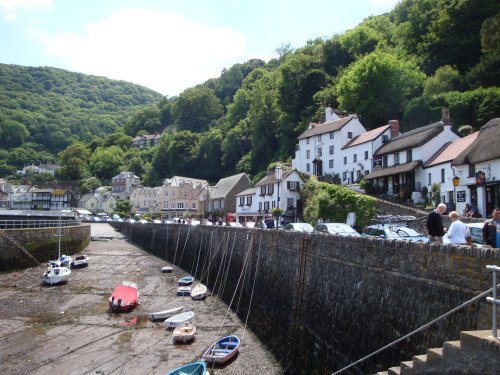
x: 477, y: 352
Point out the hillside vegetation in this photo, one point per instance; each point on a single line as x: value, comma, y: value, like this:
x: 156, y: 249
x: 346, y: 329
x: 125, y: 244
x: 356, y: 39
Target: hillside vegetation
x: 406, y: 65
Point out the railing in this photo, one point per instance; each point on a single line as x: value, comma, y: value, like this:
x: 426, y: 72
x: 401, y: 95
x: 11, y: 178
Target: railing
x: 26, y: 224
x: 494, y: 300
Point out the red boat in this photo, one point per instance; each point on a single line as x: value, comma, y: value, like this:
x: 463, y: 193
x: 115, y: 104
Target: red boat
x: 125, y: 297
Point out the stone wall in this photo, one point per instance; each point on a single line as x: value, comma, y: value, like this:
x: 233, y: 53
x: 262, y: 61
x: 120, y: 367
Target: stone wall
x: 321, y: 302
x: 42, y: 244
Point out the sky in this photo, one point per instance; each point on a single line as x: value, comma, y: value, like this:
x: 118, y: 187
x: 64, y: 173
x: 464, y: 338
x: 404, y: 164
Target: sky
x: 167, y: 45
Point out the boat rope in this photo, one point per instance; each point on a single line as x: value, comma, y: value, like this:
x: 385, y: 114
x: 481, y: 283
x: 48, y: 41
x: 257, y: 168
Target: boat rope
x: 198, y: 258
x: 251, y: 296
x: 212, y: 257
x: 221, y: 267
x: 421, y: 328
x: 176, y: 245
x: 185, y: 243
x: 207, y: 253
x: 229, y: 263
x: 166, y: 246
x: 249, y: 265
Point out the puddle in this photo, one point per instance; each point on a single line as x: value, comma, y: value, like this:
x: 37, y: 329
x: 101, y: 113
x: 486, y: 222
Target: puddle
x: 136, y: 321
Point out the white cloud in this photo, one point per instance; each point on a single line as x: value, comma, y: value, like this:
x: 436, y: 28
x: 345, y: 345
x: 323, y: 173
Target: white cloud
x: 11, y: 8
x: 162, y: 51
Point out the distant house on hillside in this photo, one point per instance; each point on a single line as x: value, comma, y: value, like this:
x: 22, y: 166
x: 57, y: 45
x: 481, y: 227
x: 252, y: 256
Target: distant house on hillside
x: 123, y: 184
x: 146, y: 140
x: 88, y: 202
x: 37, y: 169
x: 222, y: 197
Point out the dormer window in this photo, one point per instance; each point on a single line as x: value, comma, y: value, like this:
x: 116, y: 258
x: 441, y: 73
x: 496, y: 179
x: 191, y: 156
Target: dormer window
x: 331, y: 135
x: 385, y: 138
x: 349, y: 134
x: 319, y: 137
x: 307, y: 141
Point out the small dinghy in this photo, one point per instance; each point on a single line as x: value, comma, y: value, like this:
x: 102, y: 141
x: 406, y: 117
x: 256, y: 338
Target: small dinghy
x: 184, y: 332
x: 186, y: 280
x: 199, y: 292
x: 184, y: 291
x: 125, y: 297
x: 167, y: 269
x: 81, y: 261
x: 62, y: 261
x: 162, y: 315
x: 195, y: 368
x: 56, y: 275
x: 178, y: 319
x: 222, y: 350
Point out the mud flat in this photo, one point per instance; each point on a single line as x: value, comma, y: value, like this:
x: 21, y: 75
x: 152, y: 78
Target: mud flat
x: 69, y: 329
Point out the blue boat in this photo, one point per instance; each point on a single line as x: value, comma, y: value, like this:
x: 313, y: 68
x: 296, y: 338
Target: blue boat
x: 186, y: 280
x: 222, y: 350
x: 195, y: 368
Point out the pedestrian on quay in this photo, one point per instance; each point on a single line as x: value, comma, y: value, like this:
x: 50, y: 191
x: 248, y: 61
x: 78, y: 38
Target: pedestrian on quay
x: 435, y: 226
x: 491, y: 229
x: 458, y: 231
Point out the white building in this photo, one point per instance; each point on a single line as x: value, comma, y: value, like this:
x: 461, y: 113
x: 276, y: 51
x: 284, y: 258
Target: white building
x: 438, y: 170
x: 123, y: 184
x: 145, y: 200
x: 181, y: 196
x: 397, y: 160
x: 279, y: 189
x: 478, y: 168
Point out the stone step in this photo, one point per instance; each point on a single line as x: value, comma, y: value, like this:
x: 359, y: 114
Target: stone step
x: 434, y: 356
x: 407, y: 368
x: 382, y: 373
x: 420, y: 362
x: 394, y: 371
x: 474, y: 340
x: 451, y: 350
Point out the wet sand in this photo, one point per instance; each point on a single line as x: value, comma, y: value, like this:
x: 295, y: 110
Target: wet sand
x: 69, y: 329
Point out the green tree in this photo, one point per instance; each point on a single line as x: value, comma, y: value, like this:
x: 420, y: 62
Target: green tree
x: 105, y: 162
x: 446, y: 78
x: 88, y: 185
x: 12, y: 133
x: 147, y: 120
x: 74, y: 162
x: 123, y: 208
x: 378, y: 86
x: 210, y: 154
x: 196, y: 109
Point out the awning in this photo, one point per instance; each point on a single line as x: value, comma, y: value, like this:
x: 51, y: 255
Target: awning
x: 390, y: 171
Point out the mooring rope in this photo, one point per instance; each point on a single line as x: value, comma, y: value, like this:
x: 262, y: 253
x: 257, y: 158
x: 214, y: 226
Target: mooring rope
x: 185, y: 243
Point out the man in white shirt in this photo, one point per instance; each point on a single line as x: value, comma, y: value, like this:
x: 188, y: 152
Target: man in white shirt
x: 458, y: 231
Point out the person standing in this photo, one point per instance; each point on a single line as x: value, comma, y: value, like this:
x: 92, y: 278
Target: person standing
x: 491, y: 229
x: 435, y: 226
x: 458, y: 231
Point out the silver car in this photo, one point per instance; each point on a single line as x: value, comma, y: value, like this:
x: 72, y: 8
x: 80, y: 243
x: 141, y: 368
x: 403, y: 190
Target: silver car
x: 340, y: 229
x: 299, y: 227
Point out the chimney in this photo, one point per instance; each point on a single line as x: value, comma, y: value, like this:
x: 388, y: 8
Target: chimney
x: 445, y: 117
x: 330, y: 114
x: 394, y: 125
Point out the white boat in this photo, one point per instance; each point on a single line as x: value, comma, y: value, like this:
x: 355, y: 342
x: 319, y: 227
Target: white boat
x: 184, y: 291
x: 56, y: 275
x: 178, y: 319
x: 199, y: 292
x: 167, y: 269
x: 162, y: 315
x: 81, y: 261
x: 184, y: 332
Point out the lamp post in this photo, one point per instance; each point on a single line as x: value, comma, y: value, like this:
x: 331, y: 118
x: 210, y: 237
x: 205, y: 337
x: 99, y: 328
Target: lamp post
x: 278, y: 174
x: 456, y: 182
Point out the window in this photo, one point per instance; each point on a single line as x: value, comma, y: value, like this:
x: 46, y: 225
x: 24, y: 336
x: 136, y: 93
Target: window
x: 472, y: 170
x: 429, y: 179
x: 166, y: 193
x: 319, y: 137
x: 292, y: 185
x: 308, y: 167
x: 180, y: 205
x: 270, y: 189
x: 320, y: 151
x: 308, y: 154
x: 331, y: 135
x: 442, y: 175
x: 266, y: 206
x: 349, y: 134
x: 290, y: 203
x: 345, y: 159
x: 385, y: 138
x: 173, y: 205
x: 396, y: 158
x: 330, y: 150
x: 355, y: 158
x: 344, y: 175
x: 366, y: 155
x: 330, y: 163
x: 358, y: 176
x: 260, y: 206
x: 307, y: 141
x: 409, y: 156
x: 173, y: 194
x: 193, y: 205
x: 242, y: 201
x: 263, y: 190
x: 385, y: 161
x: 249, y: 200
x: 273, y: 204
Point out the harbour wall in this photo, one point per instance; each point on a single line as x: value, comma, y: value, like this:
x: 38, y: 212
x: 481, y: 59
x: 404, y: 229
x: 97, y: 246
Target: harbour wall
x: 321, y: 302
x: 41, y: 243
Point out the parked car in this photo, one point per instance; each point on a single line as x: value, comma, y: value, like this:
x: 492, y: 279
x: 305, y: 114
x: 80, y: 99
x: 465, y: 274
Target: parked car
x: 118, y: 219
x: 396, y: 231
x: 130, y: 220
x: 157, y: 221
x: 476, y: 233
x: 142, y: 221
x: 299, y: 227
x: 234, y: 225
x: 340, y: 229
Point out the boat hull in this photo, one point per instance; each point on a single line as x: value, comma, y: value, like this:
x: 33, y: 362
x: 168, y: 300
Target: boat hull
x: 184, y: 333
x: 184, y: 291
x: 56, y: 275
x: 199, y: 292
x: 124, y: 298
x: 165, y: 314
x: 179, y: 319
x: 196, y: 368
x: 80, y: 261
x: 222, y: 351
x: 185, y: 281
